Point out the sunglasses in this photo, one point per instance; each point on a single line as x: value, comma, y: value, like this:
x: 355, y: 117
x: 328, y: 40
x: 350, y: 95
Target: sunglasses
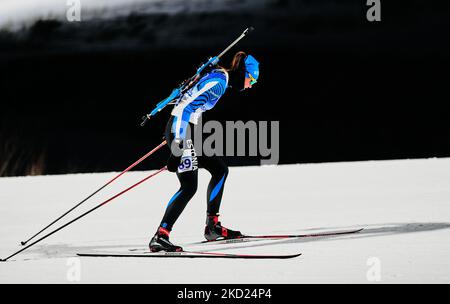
x: 252, y: 79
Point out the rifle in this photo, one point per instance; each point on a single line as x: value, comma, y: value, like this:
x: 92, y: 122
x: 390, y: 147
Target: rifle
x: 177, y: 93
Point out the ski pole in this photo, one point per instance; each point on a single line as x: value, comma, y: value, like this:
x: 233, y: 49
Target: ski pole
x: 86, y: 213
x: 97, y: 191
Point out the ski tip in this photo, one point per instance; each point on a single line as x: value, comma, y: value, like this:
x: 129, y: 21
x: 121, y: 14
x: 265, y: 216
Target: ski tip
x: 283, y: 257
x: 2, y: 260
x: 296, y: 255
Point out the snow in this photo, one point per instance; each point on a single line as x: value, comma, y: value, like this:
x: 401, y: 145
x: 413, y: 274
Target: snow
x: 15, y: 13
x: 403, y: 206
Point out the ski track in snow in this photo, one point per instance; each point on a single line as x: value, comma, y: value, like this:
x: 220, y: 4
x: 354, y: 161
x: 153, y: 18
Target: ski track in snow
x: 403, y: 206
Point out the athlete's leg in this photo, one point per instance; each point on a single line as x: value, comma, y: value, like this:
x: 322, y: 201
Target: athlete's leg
x: 219, y: 173
x: 187, y: 172
x: 160, y: 242
x: 188, y: 188
x: 188, y: 177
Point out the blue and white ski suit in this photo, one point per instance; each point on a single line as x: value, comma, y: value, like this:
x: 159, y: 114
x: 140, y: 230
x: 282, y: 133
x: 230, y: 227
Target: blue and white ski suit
x: 202, y: 97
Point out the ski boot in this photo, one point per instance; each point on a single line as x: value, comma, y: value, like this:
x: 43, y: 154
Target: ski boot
x: 160, y: 242
x: 214, y: 231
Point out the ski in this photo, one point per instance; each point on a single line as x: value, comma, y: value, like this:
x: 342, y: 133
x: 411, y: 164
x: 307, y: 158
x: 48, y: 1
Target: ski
x: 190, y: 255
x: 256, y: 238
x: 251, y: 238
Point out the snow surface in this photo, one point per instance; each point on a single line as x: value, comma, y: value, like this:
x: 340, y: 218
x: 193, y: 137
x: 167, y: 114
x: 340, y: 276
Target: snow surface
x: 15, y: 13
x: 404, y: 206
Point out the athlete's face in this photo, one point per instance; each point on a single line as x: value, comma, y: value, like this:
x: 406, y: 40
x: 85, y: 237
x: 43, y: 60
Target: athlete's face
x: 247, y: 83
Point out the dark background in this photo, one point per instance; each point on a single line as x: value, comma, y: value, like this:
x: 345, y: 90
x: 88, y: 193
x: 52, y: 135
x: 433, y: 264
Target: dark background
x: 344, y: 89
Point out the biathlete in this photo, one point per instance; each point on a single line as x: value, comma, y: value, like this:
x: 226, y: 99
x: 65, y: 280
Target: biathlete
x: 203, y: 96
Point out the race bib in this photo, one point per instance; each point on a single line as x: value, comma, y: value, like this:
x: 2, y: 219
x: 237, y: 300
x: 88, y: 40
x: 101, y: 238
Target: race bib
x: 185, y: 165
x: 189, y: 160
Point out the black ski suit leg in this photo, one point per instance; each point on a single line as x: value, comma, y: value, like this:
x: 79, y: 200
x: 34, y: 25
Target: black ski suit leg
x: 219, y: 173
x: 188, y: 188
